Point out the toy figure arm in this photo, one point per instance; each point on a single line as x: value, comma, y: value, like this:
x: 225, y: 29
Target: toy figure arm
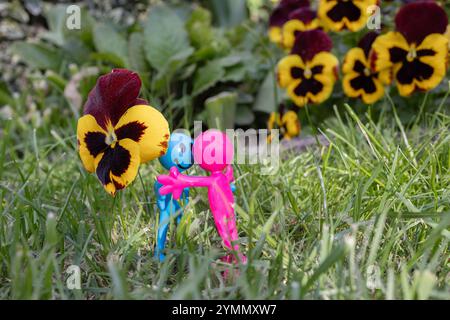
x: 175, y: 182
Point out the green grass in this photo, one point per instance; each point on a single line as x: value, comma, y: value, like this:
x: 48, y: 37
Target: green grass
x: 366, y: 217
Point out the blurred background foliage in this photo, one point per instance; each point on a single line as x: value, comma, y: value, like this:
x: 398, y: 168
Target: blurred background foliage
x: 188, y: 53
x: 185, y: 53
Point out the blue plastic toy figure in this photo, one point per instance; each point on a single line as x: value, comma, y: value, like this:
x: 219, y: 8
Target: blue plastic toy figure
x: 179, y: 155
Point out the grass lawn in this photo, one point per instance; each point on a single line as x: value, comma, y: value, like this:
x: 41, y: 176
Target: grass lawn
x: 366, y: 217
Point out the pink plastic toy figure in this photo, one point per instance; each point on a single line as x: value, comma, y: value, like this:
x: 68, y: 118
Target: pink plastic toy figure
x: 213, y: 151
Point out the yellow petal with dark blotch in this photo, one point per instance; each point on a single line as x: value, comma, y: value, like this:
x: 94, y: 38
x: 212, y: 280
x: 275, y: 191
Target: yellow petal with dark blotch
x: 300, y: 101
x: 274, y: 121
x: 385, y: 76
x: 91, y: 141
x: 328, y: 84
x: 328, y: 61
x: 118, y: 165
x: 276, y: 35
x: 406, y: 90
x: 324, y: 7
x: 148, y: 128
x: 327, y: 64
x: 371, y: 98
x: 284, y: 69
x: 439, y: 44
x: 353, y: 55
x: 290, y: 29
x: 291, y: 124
x: 354, y: 68
x: 380, y: 50
x: 347, y: 87
x: 447, y: 35
x: 122, y: 180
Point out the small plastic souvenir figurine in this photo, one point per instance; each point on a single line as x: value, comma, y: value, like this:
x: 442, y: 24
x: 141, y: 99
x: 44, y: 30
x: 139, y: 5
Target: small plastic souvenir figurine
x: 213, y: 152
x: 179, y: 156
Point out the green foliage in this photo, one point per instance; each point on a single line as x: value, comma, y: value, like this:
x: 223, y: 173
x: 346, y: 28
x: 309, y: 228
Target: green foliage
x: 207, y: 76
x: 38, y: 55
x: 109, y: 41
x: 221, y: 110
x: 229, y: 13
x: 136, y: 53
x: 269, y: 95
x: 176, y: 50
x: 166, y: 40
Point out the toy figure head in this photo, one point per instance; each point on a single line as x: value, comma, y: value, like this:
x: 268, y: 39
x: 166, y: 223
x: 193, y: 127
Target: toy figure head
x: 213, y: 150
x: 179, y: 152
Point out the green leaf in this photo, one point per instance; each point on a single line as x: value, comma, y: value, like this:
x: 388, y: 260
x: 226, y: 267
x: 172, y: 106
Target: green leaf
x: 5, y: 95
x: 230, y: 60
x: 38, y: 55
x: 56, y: 18
x: 165, y: 75
x: 229, y: 13
x: 165, y: 37
x: 207, y: 76
x: 108, y: 40
x: 221, y: 110
x: 136, y: 53
x: 244, y: 116
x: 266, y: 101
x: 199, y: 27
x: 108, y: 57
x: 235, y: 73
x: 76, y: 50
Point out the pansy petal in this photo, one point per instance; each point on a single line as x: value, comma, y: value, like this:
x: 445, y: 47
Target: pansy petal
x: 123, y: 179
x: 386, y: 50
x: 291, y: 124
x: 340, y: 15
x: 276, y: 35
x: 118, y: 165
x: 366, y: 42
x: 280, y: 14
x: 447, y: 34
x: 112, y: 95
x: 288, y: 69
x: 426, y: 71
x: 351, y: 60
x: 439, y: 44
x: 347, y: 87
x: 148, y: 128
x: 290, y: 31
x: 328, y: 61
x: 91, y: 141
x: 369, y: 89
x: 318, y: 85
x: 297, y: 93
x: 300, y: 20
x: 327, y: 89
x: 418, y: 20
x: 274, y: 121
x: 309, y: 43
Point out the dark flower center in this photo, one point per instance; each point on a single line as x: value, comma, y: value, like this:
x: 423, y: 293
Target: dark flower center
x: 115, y: 160
x: 308, y: 83
x: 412, y: 68
x: 344, y: 9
